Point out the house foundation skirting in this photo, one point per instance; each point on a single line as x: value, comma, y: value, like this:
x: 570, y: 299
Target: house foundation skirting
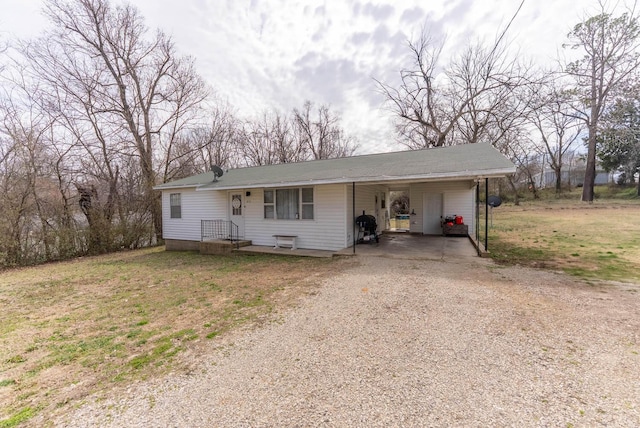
x: 181, y: 245
x: 204, y: 247
x: 221, y: 246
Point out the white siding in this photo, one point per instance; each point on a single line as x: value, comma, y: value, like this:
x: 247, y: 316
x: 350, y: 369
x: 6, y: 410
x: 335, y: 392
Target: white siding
x: 366, y: 201
x: 459, y: 199
x: 348, y: 220
x: 325, y: 232
x: 460, y: 202
x: 332, y: 227
x: 196, y: 206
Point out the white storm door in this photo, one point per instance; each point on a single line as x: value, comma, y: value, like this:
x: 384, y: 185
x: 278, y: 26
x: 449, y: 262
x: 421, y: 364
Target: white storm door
x: 432, y: 211
x: 237, y: 207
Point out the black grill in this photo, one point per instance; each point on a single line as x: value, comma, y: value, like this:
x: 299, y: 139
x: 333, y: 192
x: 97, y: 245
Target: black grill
x: 368, y: 227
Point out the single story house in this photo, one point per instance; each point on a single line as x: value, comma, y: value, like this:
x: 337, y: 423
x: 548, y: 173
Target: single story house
x: 318, y: 201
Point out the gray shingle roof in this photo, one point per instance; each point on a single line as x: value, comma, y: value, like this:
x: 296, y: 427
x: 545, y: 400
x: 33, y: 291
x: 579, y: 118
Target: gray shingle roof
x: 463, y: 161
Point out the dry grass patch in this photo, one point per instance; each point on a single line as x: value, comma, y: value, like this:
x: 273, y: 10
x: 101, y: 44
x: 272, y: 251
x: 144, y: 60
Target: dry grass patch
x: 73, y: 328
x: 593, y: 241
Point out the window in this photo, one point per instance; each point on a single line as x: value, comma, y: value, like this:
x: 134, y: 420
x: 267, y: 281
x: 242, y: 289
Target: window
x: 268, y: 204
x: 307, y: 203
x: 176, y: 207
x: 289, y: 204
x: 236, y: 204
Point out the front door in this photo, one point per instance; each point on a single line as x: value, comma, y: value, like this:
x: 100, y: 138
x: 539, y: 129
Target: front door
x: 432, y: 213
x: 236, y: 215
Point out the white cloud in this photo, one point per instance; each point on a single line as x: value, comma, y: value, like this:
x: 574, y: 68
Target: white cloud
x: 277, y: 53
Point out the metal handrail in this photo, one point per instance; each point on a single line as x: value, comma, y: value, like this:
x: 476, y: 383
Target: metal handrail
x: 234, y: 233
x: 219, y: 229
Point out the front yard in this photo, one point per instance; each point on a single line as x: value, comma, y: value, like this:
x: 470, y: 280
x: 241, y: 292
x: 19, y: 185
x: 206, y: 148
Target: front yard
x: 73, y: 328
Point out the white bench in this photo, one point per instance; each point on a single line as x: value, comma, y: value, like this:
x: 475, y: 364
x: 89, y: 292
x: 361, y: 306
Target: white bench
x: 285, y: 240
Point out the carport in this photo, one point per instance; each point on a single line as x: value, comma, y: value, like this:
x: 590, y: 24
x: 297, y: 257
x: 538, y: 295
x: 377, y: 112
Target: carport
x: 392, y: 245
x: 431, y: 202
x: 415, y: 246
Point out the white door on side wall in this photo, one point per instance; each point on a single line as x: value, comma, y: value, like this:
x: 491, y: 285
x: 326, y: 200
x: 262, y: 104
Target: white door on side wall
x: 236, y: 214
x: 432, y: 213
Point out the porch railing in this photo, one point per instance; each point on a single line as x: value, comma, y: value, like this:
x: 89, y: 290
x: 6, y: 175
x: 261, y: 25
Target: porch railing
x: 219, y: 229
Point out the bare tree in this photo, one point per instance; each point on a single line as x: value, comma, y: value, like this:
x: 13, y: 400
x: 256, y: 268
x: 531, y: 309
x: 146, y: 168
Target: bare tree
x: 256, y: 145
x: 456, y: 103
x: 426, y: 114
x: 37, y: 152
x: 24, y: 174
x: 610, y: 48
x: 498, y: 81
x: 93, y: 114
x: 3, y: 48
x: 218, y: 142
x: 516, y: 145
x: 462, y: 103
x: 518, y: 148
x: 213, y: 142
x: 306, y: 134
x: 322, y: 134
x: 133, y: 92
x: 557, y: 127
x: 68, y: 241
x: 16, y: 184
x: 286, y: 147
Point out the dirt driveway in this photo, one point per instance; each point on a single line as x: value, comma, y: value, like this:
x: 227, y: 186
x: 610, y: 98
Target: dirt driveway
x: 400, y: 342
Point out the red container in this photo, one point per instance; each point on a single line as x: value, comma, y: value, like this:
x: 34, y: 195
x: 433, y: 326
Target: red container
x: 459, y: 219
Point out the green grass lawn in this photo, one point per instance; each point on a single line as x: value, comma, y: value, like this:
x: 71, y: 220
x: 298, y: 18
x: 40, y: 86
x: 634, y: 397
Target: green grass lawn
x: 73, y: 328
x: 599, y: 241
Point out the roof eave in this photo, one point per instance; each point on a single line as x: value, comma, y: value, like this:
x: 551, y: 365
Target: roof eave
x: 181, y: 186
x: 466, y: 175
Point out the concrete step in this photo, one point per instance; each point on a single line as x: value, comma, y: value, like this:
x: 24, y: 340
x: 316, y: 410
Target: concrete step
x: 221, y: 246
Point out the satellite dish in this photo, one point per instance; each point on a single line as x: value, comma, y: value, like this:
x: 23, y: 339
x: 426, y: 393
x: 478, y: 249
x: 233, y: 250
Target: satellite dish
x: 494, y: 201
x: 217, y: 172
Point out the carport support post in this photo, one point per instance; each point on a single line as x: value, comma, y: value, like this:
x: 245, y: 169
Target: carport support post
x: 353, y: 214
x: 486, y: 215
x: 477, y: 222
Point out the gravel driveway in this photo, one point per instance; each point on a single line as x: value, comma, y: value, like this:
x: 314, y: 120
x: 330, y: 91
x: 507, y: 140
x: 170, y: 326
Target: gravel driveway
x: 391, y: 342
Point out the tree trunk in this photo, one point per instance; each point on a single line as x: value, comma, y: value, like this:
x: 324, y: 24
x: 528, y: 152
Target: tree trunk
x: 151, y: 196
x: 590, y: 172
x: 516, y: 197
x: 558, y: 172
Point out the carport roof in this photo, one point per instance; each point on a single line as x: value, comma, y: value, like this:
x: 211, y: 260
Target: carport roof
x: 470, y: 161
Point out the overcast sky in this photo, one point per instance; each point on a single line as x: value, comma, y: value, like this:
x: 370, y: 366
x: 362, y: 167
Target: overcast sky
x: 261, y: 54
